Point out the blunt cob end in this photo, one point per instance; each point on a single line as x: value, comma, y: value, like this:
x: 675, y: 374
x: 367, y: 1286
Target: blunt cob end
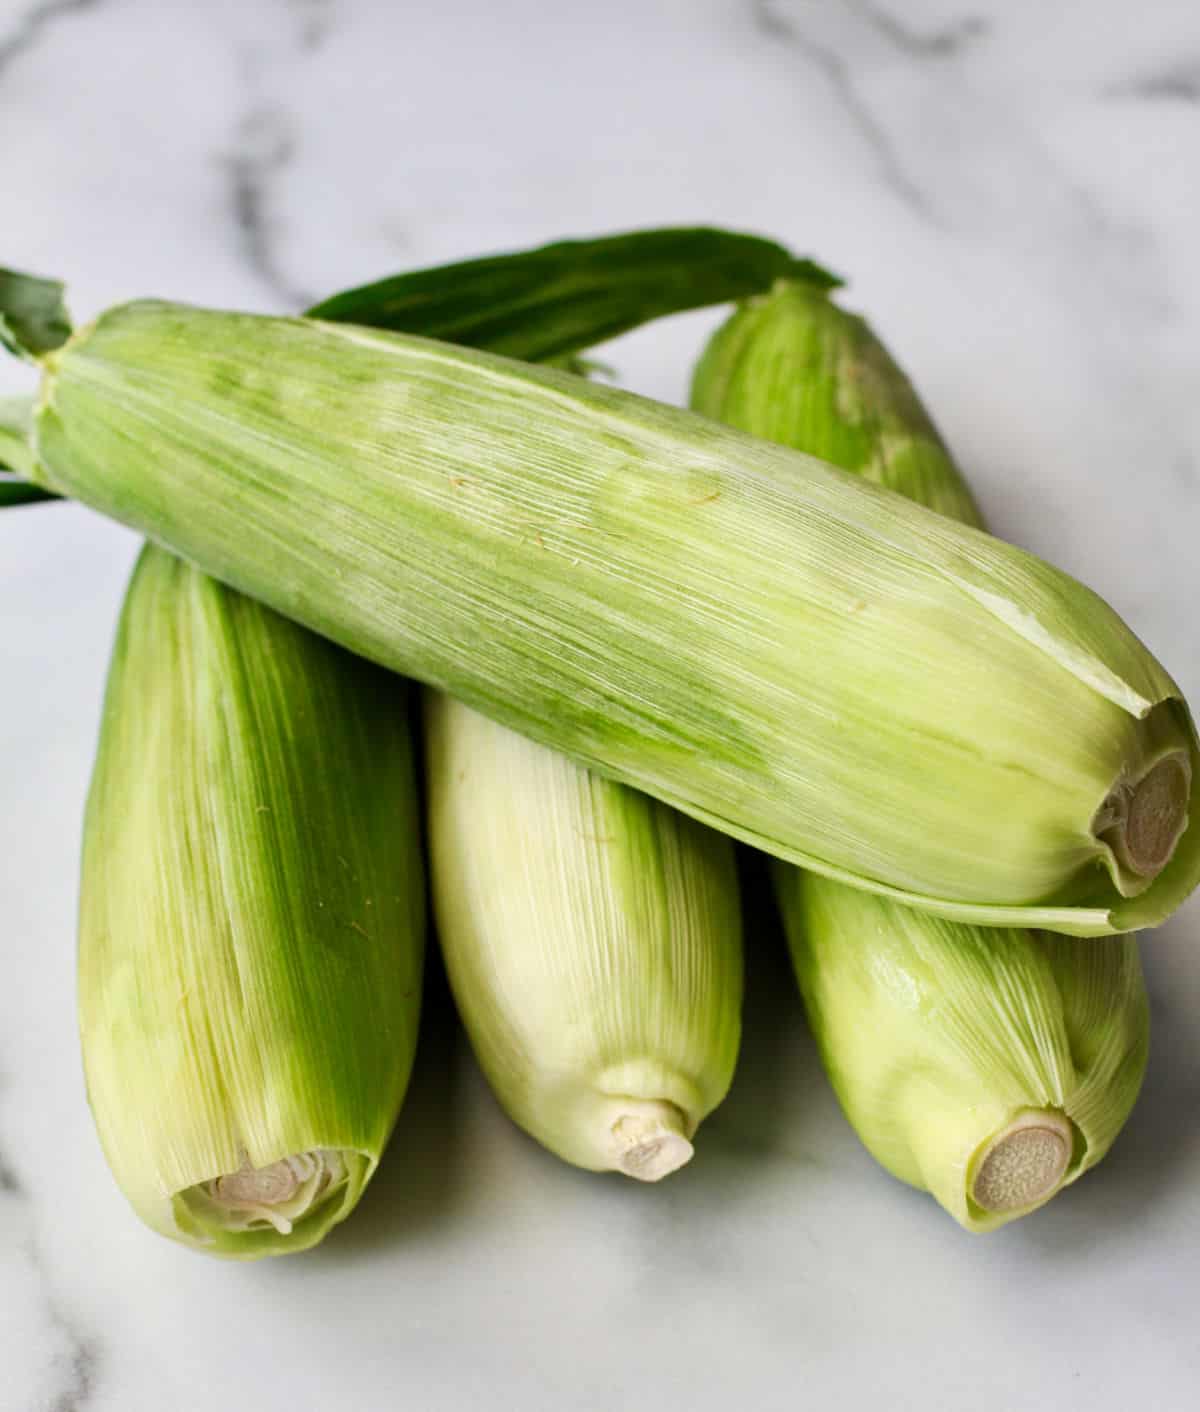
x: 278, y: 1196
x: 1024, y: 1164
x: 650, y: 1141
x: 1144, y: 822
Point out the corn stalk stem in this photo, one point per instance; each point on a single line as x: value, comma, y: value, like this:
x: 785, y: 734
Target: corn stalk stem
x: 1025, y: 1163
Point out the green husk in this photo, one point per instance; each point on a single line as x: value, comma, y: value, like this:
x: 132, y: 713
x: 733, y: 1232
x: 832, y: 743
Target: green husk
x: 16, y: 455
x: 18, y: 492
x: 793, y: 367
x: 251, y: 918
x: 990, y: 1068
x: 739, y: 630
x: 33, y: 317
x: 562, y: 299
x: 944, y: 1041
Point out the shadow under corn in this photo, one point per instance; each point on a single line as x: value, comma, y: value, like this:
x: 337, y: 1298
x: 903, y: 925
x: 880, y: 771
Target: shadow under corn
x: 417, y: 1183
x: 777, y: 1085
x: 418, y: 1179
x: 779, y: 1077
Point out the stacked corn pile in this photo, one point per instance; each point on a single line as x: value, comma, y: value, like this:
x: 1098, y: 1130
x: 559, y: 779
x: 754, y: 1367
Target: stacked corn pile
x: 642, y: 633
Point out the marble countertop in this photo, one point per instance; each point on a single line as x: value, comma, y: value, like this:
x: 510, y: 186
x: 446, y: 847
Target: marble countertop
x: 1013, y: 189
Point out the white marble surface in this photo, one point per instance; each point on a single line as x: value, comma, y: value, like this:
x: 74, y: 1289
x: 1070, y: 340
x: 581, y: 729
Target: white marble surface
x: 1014, y: 189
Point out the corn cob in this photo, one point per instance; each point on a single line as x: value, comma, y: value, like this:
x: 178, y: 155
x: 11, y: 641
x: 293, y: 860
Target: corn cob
x: 990, y: 1068
x: 798, y: 657
x: 251, y: 918
x: 593, y: 941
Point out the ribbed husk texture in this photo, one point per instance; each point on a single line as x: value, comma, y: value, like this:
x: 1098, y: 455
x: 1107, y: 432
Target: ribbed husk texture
x: 593, y: 941
x: 251, y: 919
x: 799, y: 657
x: 939, y: 1038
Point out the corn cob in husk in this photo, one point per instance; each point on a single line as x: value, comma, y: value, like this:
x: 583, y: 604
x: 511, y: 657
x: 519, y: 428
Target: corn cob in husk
x: 251, y: 918
x: 592, y: 937
x: 989, y: 1067
x: 803, y: 659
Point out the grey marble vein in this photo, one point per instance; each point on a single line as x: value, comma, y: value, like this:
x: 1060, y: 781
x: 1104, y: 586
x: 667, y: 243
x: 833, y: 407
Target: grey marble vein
x: 10, y: 1183
x: 75, y: 1368
x: 1178, y: 84
x: 315, y: 19
x: 33, y: 24
x: 837, y: 73
x: 1187, y: 475
x: 78, y: 1368
x: 264, y: 146
x: 943, y: 43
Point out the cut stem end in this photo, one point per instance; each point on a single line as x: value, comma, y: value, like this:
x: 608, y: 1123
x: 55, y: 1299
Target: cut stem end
x: 277, y: 1195
x: 257, y: 1186
x: 1157, y: 815
x: 650, y: 1142
x: 1142, y: 823
x: 1024, y: 1164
